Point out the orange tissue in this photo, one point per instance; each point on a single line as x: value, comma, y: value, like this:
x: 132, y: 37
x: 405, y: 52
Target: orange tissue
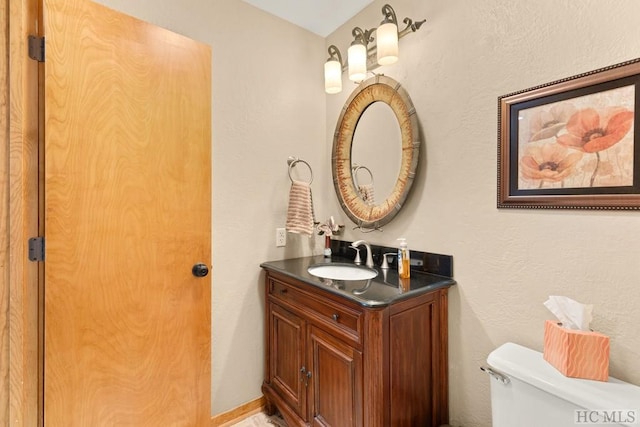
x: 575, y: 353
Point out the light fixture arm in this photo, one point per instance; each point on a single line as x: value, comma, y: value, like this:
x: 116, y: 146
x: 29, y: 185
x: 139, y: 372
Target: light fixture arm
x: 362, y: 36
x: 334, y: 54
x: 411, y: 27
x: 389, y: 15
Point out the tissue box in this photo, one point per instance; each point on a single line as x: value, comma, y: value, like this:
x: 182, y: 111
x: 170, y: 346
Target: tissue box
x: 577, y: 354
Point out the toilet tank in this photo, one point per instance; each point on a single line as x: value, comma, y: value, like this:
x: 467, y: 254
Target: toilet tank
x: 526, y: 391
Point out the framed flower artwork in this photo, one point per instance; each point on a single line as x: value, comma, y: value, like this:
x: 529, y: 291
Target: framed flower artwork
x: 573, y: 143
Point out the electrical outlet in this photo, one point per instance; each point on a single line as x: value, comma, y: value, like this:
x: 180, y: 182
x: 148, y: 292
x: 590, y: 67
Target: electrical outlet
x: 281, y: 237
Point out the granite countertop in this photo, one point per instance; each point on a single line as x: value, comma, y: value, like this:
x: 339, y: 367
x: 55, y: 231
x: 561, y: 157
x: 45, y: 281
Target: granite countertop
x: 380, y: 291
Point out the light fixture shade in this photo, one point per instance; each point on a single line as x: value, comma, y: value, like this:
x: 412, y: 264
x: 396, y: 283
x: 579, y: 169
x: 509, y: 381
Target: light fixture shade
x: 357, y: 55
x: 332, y: 76
x: 387, y: 43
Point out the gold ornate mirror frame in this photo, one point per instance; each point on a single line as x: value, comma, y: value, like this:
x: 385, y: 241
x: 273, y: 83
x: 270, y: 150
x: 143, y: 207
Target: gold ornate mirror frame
x: 375, y: 89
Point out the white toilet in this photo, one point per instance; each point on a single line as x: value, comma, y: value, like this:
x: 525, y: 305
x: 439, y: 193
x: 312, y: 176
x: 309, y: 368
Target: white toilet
x: 526, y: 391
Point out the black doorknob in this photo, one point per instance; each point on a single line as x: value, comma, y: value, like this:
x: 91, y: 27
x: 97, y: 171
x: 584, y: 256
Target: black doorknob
x: 200, y: 270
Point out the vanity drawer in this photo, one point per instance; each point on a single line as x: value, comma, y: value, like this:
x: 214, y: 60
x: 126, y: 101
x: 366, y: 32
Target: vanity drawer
x: 343, y: 319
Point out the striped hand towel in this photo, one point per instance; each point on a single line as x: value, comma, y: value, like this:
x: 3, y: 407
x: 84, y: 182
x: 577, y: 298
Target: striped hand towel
x: 366, y: 192
x: 300, y: 217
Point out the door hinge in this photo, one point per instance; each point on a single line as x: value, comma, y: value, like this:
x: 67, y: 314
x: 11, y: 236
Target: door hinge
x: 36, y: 249
x: 36, y: 48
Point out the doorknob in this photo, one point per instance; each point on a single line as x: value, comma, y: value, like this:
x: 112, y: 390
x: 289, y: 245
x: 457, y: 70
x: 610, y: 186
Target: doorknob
x: 200, y: 270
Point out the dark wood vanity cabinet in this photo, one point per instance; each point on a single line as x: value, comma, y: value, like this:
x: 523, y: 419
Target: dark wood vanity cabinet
x: 331, y: 361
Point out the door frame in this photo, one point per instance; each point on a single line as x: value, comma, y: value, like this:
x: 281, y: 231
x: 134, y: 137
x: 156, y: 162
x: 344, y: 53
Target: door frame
x: 20, y: 370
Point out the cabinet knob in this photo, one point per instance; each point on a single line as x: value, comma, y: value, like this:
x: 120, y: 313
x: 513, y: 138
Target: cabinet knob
x: 305, y: 377
x: 335, y: 316
x: 303, y: 372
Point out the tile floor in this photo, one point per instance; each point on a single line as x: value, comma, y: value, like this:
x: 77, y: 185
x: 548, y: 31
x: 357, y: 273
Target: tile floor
x: 260, y: 420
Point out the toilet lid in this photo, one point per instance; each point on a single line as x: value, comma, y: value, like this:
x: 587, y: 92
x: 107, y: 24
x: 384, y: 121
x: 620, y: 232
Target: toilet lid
x: 529, y: 366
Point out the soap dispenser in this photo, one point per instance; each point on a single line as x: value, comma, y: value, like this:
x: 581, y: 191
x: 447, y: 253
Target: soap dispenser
x: 404, y: 259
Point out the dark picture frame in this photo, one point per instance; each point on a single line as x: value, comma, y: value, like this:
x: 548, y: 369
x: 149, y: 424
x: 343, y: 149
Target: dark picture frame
x: 572, y: 143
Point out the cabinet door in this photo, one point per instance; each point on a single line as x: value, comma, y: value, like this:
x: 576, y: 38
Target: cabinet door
x: 286, y: 358
x: 335, y: 387
x: 414, y: 364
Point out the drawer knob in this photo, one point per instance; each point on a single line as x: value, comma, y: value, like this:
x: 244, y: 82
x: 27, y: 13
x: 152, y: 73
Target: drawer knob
x: 335, y: 316
x: 283, y: 291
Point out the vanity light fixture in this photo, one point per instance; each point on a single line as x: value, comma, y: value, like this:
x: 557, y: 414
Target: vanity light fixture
x: 333, y: 71
x: 357, y: 54
x: 387, y: 33
x: 363, y: 50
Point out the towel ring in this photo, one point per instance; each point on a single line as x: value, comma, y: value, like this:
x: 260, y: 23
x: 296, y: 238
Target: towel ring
x: 356, y: 168
x: 292, y: 161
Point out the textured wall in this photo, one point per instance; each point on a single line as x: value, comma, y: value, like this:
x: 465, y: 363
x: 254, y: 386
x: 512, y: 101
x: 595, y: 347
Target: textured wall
x: 506, y: 262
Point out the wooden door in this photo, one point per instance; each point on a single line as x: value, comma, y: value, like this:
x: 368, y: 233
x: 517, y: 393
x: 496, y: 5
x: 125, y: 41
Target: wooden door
x: 127, y: 214
x: 287, y: 358
x: 336, y: 381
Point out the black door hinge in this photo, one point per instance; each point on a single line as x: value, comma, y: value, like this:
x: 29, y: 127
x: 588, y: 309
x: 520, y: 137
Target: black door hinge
x: 36, y: 48
x: 36, y: 249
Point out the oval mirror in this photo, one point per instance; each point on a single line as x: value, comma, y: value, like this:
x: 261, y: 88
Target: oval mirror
x: 385, y: 153
x: 375, y: 151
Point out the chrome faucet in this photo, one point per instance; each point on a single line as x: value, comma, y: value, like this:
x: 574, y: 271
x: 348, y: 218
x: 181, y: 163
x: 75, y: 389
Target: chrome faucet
x: 369, y: 262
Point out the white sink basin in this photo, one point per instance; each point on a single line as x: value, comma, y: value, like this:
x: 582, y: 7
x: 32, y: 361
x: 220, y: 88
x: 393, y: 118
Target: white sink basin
x: 342, y: 272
